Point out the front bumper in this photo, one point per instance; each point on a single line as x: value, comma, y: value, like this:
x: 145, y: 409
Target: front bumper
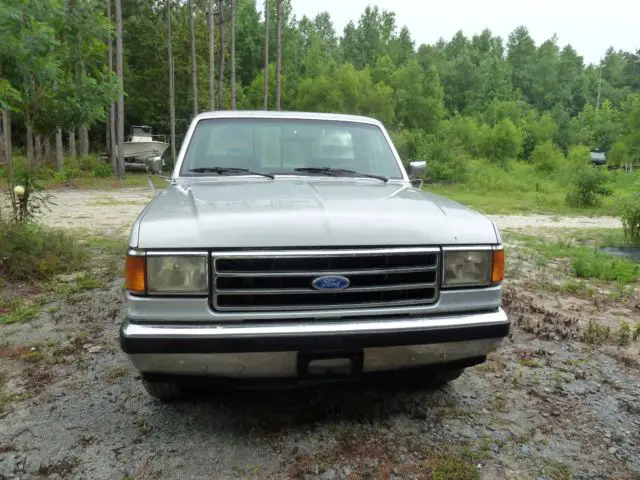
x: 273, y: 350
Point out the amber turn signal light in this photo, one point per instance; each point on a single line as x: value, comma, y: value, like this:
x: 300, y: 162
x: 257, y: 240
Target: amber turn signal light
x: 497, y: 269
x: 135, y: 278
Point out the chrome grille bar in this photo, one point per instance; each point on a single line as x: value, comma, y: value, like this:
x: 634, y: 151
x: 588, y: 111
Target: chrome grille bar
x: 282, y: 280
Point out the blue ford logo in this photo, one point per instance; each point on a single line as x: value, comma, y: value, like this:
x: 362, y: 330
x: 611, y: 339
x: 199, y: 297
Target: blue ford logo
x: 330, y: 282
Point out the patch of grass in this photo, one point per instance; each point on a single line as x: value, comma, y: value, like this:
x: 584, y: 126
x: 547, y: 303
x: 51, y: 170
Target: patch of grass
x: 529, y: 362
x: 8, y: 398
x: 113, y: 374
x: 16, y: 312
x: 521, y: 188
x: 32, y: 252
x: 556, y: 470
x: 586, y: 260
x: 596, y: 334
x: 450, y: 464
x: 88, y: 282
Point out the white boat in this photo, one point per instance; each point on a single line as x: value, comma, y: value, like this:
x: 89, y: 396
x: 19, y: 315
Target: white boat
x: 141, y: 143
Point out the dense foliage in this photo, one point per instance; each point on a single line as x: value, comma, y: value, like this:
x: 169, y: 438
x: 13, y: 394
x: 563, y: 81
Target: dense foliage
x: 479, y: 97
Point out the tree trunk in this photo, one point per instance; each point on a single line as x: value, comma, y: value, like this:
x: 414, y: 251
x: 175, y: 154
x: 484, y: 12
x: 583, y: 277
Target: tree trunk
x: 37, y: 155
x: 233, y: 54
x: 72, y: 144
x: 192, y: 40
x: 30, y: 153
x: 172, y: 93
x: 59, y: 151
x: 83, y: 130
x: 111, y: 146
x: 221, y: 73
x: 212, y: 55
x: 83, y: 140
x: 2, y: 155
x: 47, y: 148
x: 6, y: 131
x: 266, y: 54
x: 278, y: 50
x: 119, y: 72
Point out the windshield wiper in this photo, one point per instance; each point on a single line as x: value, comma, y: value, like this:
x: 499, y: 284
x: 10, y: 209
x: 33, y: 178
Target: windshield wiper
x: 229, y: 171
x: 339, y: 172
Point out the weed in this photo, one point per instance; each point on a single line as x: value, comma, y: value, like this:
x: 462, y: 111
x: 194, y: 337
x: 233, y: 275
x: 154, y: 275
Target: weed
x: 529, y: 362
x: 556, y: 470
x: 629, y: 212
x: 32, y: 252
x: 623, y: 337
x: 20, y: 313
x: 453, y: 465
x: 114, y: 374
x: 636, y: 332
x: 557, y: 383
x: 596, y: 334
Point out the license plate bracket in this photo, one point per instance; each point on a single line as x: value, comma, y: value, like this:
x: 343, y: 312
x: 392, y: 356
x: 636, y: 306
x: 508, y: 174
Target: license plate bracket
x: 330, y: 364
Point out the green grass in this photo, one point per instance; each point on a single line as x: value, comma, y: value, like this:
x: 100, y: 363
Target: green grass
x: 523, y: 189
x: 16, y: 312
x: 585, y: 259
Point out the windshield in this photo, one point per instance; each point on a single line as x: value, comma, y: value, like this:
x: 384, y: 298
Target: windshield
x: 279, y: 146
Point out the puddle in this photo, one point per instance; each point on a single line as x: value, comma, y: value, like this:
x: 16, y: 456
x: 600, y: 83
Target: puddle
x: 630, y: 252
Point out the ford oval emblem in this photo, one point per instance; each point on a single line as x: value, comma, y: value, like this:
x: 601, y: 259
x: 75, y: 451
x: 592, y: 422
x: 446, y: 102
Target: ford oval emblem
x: 330, y: 282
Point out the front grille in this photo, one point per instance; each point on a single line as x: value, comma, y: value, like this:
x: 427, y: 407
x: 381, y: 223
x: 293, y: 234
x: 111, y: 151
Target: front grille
x: 271, y: 281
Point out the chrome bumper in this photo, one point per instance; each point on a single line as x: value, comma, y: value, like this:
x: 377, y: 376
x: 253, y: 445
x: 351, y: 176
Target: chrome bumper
x: 271, y: 350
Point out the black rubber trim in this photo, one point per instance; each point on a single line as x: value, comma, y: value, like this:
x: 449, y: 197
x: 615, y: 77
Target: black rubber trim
x: 349, y: 341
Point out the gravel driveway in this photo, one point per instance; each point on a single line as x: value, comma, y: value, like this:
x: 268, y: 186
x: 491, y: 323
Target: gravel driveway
x: 553, y: 403
x: 112, y: 212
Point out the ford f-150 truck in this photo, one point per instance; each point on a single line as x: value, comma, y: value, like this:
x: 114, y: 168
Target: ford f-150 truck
x: 296, y: 247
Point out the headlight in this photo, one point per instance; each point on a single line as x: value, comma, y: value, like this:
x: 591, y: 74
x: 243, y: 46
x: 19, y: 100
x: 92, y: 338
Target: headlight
x: 467, y: 268
x: 179, y: 274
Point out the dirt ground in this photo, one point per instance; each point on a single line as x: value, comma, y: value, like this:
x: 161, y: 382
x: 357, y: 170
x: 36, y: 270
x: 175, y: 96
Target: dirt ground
x: 559, y: 400
x: 112, y: 212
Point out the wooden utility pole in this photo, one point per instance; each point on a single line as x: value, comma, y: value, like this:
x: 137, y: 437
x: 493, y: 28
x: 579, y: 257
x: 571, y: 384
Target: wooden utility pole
x: 266, y: 54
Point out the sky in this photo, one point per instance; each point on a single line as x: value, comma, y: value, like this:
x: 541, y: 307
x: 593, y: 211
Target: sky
x: 590, y: 26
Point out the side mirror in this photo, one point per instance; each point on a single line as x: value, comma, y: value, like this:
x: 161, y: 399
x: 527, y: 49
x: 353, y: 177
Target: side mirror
x: 417, y: 170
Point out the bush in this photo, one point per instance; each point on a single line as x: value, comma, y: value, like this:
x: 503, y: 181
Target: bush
x: 547, y: 157
x: 103, y: 170
x: 629, y: 212
x: 447, y: 163
x: 619, y: 154
x: 502, y: 142
x: 31, y: 252
x: 588, y: 187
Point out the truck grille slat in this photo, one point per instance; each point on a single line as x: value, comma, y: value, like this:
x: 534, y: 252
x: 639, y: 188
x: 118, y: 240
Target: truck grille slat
x: 270, y: 280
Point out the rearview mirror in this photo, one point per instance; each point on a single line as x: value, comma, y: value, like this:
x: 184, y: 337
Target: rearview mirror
x: 417, y: 169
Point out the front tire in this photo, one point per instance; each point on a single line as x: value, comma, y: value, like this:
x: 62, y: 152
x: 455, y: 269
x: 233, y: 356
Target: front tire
x: 165, y: 391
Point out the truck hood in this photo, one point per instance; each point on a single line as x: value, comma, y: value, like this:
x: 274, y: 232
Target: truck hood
x: 304, y: 212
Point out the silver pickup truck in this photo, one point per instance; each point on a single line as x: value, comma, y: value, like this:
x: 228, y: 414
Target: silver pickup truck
x: 295, y: 247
